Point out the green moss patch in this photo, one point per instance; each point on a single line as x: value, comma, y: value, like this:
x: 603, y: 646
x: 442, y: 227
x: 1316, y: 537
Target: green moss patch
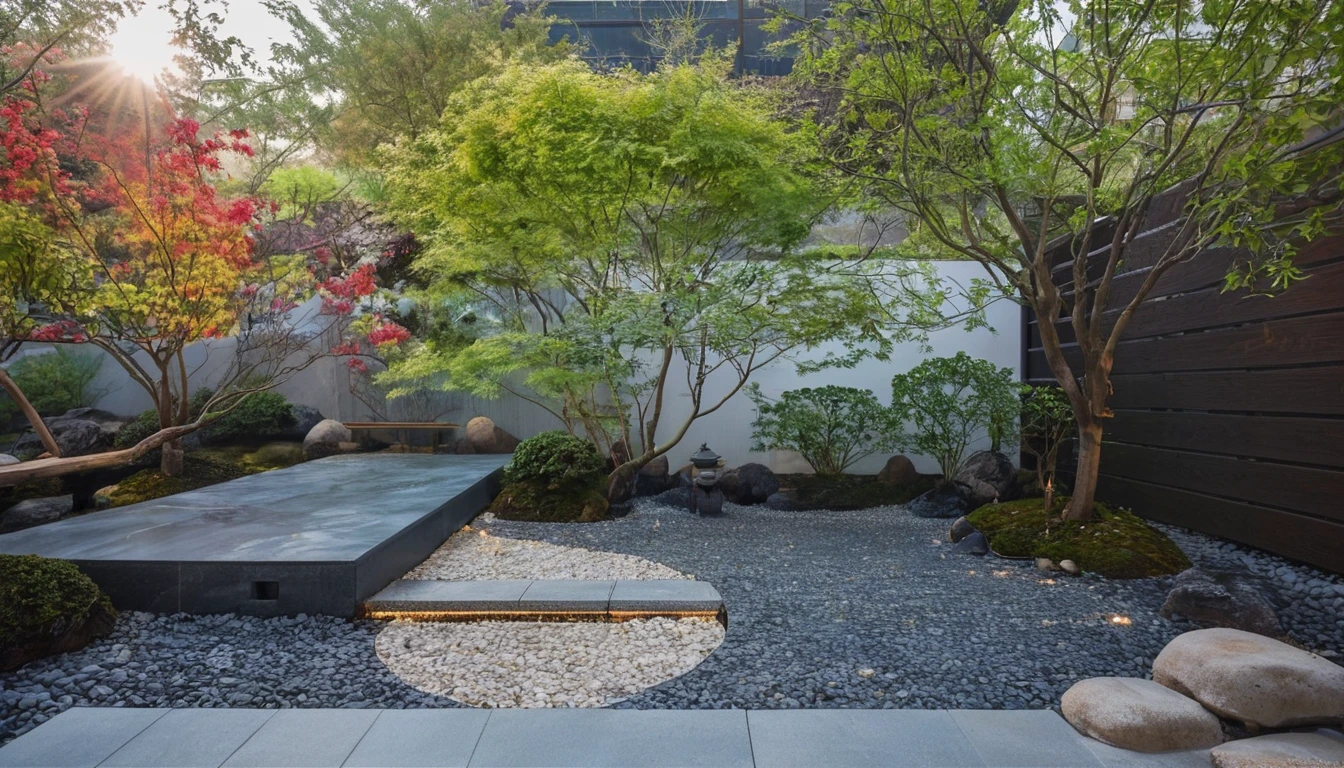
x: 38, y: 489
x: 536, y: 503
x: 47, y: 607
x: 1115, y: 543
x: 841, y: 492
x: 205, y: 467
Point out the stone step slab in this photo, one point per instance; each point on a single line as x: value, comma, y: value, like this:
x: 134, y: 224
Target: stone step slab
x: 567, y: 738
x: 543, y: 599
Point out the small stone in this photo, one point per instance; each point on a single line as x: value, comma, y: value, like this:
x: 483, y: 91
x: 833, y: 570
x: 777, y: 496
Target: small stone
x: 974, y: 544
x: 1046, y: 565
x: 960, y: 529
x: 1282, y: 750
x: 1070, y: 567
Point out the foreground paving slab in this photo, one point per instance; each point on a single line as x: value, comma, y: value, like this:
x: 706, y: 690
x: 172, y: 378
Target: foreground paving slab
x: 604, y: 738
x: 568, y: 738
x: 561, y: 599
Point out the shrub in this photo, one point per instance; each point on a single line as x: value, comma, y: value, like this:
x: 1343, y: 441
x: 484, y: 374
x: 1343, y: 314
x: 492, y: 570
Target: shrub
x: 260, y: 416
x: 831, y: 427
x: 1047, y: 422
x: 54, y: 382
x: 47, y: 607
x: 555, y: 460
x: 953, y: 402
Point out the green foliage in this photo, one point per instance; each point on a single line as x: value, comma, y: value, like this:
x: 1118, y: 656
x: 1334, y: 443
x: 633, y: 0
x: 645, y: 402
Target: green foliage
x: 628, y: 230
x: 1047, y: 422
x: 1115, y: 544
x: 534, y: 502
x: 54, y: 382
x: 832, y: 427
x: 950, y: 403
x: 842, y: 492
x: 299, y: 190
x: 199, y: 469
x: 40, y: 595
x: 554, y: 460
x: 37, y: 270
x: 259, y: 416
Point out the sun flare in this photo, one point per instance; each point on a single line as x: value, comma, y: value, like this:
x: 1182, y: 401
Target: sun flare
x: 142, y: 45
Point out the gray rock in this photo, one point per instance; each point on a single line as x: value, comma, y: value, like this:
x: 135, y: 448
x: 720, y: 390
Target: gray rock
x: 75, y: 437
x: 942, y: 501
x: 1222, y: 599
x: 1070, y: 567
x: 31, y: 512
x: 653, y: 478
x: 305, y: 418
x: 782, y: 501
x: 986, y: 477
x: 749, y: 484
x: 484, y: 437
x: 1138, y: 714
x: 898, y: 470
x: 6, y: 460
x: 960, y: 529
x: 325, y: 439
x: 974, y: 544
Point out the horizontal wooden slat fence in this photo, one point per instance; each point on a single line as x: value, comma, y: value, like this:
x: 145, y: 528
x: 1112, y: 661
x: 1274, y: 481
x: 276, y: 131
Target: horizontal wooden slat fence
x: 1229, y: 408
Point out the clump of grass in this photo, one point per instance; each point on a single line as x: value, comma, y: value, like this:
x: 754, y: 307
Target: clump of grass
x: 1116, y: 544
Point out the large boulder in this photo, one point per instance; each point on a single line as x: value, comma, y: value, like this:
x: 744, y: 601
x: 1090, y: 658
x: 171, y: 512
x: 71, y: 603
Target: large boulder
x: 305, y: 418
x: 898, y: 470
x: 653, y: 478
x: 75, y: 437
x: 1282, y: 750
x: 325, y: 439
x: 987, y: 476
x: 1217, y: 599
x: 943, y: 500
x: 50, y: 608
x: 31, y: 512
x: 1253, y: 679
x: 484, y: 437
x: 749, y: 484
x: 1137, y: 714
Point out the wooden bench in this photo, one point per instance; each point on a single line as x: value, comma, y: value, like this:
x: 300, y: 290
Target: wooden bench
x: 434, y: 428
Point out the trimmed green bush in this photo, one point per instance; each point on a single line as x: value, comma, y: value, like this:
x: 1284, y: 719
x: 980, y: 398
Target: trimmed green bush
x: 1115, y: 543
x: 47, y: 607
x: 553, y: 477
x: 831, y: 427
x: 261, y: 416
x: 555, y: 459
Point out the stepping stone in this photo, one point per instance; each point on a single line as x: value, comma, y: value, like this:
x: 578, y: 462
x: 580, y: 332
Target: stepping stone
x: 1035, y: 738
x: 567, y: 596
x: 1253, y: 679
x: 658, y: 597
x: 1138, y: 714
x: 304, y: 738
x: 1282, y: 750
x: 859, y: 738
x: 412, y: 595
x: 191, y: 738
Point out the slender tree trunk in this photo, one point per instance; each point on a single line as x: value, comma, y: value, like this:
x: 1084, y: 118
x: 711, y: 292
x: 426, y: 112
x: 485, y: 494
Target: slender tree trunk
x: 1089, y: 466
x: 170, y: 458
x: 40, y: 427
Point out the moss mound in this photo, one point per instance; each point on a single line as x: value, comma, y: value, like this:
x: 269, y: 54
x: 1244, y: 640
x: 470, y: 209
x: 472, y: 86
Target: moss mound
x: 205, y: 467
x: 841, y: 492
x: 47, y: 607
x: 535, y: 502
x: 1115, y: 543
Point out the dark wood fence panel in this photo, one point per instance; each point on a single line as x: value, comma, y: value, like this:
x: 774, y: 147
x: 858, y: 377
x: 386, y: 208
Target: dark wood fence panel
x: 1229, y: 408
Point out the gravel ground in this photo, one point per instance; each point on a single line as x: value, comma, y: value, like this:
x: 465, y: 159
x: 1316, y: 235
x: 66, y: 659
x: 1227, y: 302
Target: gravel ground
x: 826, y: 609
x: 472, y: 553
x: 522, y: 664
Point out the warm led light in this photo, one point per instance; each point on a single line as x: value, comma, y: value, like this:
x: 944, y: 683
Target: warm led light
x: 1123, y: 621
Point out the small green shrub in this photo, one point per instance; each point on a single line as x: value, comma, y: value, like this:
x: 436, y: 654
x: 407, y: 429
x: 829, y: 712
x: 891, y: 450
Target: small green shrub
x: 1115, y: 543
x: 54, y: 382
x: 831, y: 427
x: 46, y: 607
x: 137, y: 429
x: 259, y: 416
x: 1047, y: 423
x: 952, y: 402
x: 555, y: 460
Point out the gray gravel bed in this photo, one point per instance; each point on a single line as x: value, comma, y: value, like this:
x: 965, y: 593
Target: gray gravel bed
x: 826, y: 609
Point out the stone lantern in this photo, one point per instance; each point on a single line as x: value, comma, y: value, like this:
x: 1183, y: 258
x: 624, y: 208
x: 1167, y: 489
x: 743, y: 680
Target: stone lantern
x: 706, y: 498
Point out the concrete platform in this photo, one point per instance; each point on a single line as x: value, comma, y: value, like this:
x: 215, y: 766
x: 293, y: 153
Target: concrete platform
x: 568, y: 738
x: 543, y: 599
x: 320, y: 537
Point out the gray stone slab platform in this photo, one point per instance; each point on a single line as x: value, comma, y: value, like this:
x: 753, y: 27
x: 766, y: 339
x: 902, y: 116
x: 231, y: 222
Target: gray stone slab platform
x: 559, y: 598
x: 568, y: 738
x: 319, y: 537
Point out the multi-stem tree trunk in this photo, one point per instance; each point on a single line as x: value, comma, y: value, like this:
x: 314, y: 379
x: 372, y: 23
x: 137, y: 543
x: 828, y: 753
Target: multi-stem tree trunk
x: 34, y: 419
x: 1089, y: 466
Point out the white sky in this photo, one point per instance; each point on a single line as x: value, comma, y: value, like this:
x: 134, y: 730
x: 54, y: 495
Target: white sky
x: 141, y: 45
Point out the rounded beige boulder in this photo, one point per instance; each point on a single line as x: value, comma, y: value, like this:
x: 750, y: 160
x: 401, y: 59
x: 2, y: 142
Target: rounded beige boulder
x: 1282, y: 750
x: 1132, y: 713
x: 1253, y: 679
